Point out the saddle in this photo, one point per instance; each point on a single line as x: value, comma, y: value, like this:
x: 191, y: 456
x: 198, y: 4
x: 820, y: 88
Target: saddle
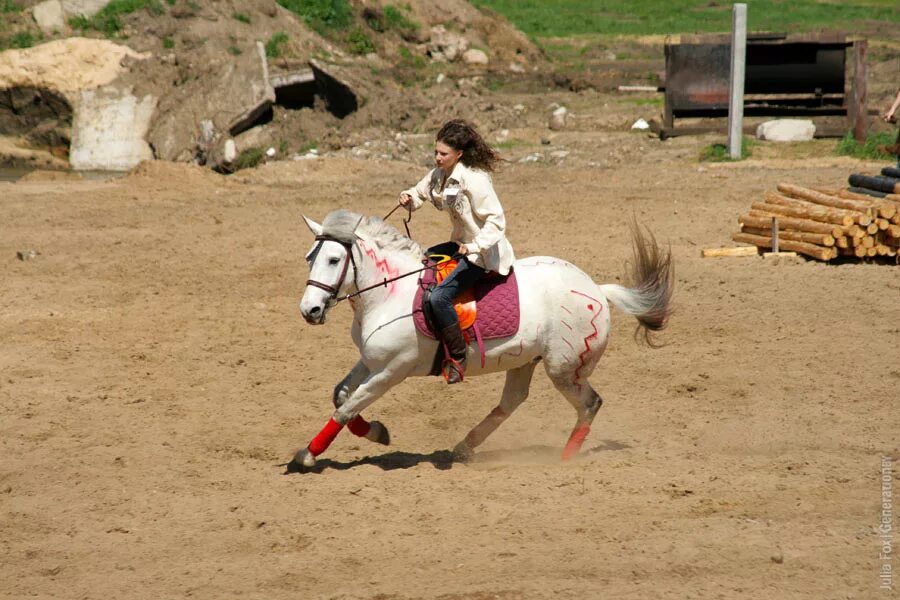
x: 488, y: 310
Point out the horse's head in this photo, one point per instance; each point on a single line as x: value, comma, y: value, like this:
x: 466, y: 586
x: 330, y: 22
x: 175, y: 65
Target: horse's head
x: 332, y: 268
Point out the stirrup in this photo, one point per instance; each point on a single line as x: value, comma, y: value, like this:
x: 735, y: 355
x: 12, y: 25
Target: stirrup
x: 445, y: 370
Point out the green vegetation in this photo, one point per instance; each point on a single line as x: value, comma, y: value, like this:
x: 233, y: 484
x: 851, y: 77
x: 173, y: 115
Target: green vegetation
x: 235, y: 51
x: 22, y: 39
x: 643, y: 101
x: 872, y: 148
x: 510, y: 144
x: 241, y: 17
x: 548, y: 18
x: 395, y: 19
x: 275, y: 43
x: 408, y: 59
x: 249, y: 158
x: 324, y: 16
x: 719, y: 152
x: 168, y: 43
x: 359, y: 42
x: 107, y: 20
x: 8, y: 6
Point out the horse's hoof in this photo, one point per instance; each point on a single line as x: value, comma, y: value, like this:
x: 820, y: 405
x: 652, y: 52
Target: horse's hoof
x: 462, y: 452
x: 305, y: 459
x: 378, y: 433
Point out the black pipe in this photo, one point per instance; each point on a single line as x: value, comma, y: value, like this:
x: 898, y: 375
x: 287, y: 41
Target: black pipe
x: 882, y: 184
x: 862, y: 190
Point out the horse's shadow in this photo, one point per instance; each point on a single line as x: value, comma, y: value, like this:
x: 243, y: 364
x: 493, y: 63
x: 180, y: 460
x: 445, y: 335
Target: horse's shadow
x: 389, y: 461
x: 445, y: 459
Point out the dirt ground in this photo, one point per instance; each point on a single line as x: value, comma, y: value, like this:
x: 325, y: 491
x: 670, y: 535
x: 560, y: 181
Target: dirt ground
x: 157, y: 375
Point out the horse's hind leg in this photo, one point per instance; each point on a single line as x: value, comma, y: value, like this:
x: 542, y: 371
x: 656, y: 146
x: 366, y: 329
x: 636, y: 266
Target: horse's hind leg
x: 515, y: 391
x: 373, y: 431
x: 587, y: 402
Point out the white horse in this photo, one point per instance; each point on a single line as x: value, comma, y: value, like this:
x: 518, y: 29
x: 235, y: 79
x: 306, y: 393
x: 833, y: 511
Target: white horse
x: 564, y: 322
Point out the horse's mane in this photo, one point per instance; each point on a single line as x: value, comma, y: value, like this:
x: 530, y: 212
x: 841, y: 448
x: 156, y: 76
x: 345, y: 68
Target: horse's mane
x: 344, y: 225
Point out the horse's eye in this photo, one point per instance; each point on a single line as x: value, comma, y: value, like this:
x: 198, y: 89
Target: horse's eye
x: 333, y: 261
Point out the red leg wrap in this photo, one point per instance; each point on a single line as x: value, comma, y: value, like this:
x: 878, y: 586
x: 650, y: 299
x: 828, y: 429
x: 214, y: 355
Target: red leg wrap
x: 320, y: 443
x: 575, y: 441
x: 359, y: 426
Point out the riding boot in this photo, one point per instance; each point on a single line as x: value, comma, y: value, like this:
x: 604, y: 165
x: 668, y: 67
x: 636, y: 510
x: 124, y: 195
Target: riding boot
x: 454, y: 368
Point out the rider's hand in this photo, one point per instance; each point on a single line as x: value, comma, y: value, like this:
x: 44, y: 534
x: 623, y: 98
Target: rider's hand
x: 467, y: 249
x: 405, y: 199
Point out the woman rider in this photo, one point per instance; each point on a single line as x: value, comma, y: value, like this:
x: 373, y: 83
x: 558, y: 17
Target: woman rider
x: 461, y: 185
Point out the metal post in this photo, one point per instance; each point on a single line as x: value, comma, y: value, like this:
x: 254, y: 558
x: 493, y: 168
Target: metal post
x: 859, y: 111
x: 775, y: 234
x: 736, y: 79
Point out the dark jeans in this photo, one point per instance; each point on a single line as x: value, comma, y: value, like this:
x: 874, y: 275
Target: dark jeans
x: 463, y: 277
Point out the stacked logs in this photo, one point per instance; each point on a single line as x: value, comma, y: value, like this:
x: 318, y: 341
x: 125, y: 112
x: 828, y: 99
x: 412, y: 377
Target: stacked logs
x: 823, y: 223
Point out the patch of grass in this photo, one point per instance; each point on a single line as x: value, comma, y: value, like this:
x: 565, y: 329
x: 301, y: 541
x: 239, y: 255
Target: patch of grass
x: 108, y: 22
x: 510, y: 144
x: 22, y: 39
x: 359, y: 42
x: 870, y: 149
x: 193, y: 6
x: 235, y: 51
x: 395, y: 19
x: 719, y: 152
x: 323, y: 16
x: 275, y: 44
x: 168, y: 43
x: 409, y: 59
x: 552, y: 18
x: 643, y: 101
x: 249, y: 158
x: 307, y: 147
x: 241, y: 17
x: 8, y: 6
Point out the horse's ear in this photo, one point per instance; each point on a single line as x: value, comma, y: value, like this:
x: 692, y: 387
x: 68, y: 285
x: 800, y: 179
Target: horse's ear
x: 313, y: 226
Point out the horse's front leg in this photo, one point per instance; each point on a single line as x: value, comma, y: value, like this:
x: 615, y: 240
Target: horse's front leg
x: 373, y: 386
x: 374, y: 431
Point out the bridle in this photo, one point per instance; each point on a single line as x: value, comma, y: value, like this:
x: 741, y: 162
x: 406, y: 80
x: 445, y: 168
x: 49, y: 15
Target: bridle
x: 348, y: 260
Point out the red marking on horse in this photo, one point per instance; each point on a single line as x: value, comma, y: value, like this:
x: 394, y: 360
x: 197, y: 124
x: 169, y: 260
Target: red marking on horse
x: 594, y: 334
x: 521, y: 350
x: 381, y: 265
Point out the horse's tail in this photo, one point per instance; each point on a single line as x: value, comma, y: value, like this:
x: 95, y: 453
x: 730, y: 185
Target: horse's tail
x: 651, y: 275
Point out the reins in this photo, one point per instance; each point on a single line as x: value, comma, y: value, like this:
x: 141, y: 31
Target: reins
x: 406, y: 221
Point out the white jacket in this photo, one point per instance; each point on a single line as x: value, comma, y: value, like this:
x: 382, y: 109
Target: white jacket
x: 468, y: 196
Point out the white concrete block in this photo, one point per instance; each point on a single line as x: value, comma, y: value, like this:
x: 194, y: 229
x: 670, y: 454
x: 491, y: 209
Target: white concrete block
x: 109, y: 130
x: 786, y: 130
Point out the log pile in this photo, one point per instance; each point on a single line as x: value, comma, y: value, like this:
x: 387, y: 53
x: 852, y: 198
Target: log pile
x: 826, y: 223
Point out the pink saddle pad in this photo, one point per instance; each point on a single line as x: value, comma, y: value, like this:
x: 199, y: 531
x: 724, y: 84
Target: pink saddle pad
x: 496, y: 300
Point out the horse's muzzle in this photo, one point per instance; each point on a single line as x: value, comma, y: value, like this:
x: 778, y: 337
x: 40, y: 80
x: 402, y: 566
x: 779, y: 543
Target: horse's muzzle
x: 315, y: 315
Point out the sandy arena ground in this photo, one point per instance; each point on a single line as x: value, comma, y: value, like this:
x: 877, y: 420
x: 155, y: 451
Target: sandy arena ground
x: 155, y: 376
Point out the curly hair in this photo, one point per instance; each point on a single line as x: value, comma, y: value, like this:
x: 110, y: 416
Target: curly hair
x: 462, y: 136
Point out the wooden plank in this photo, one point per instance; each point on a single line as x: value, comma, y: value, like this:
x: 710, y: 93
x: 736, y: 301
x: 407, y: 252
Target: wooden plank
x: 729, y: 252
